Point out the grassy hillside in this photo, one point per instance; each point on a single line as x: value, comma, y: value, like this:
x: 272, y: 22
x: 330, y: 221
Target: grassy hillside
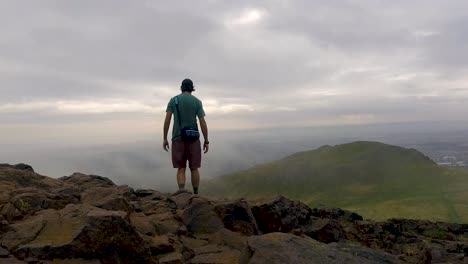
x: 377, y: 180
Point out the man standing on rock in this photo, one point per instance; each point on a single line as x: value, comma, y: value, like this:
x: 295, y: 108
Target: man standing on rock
x: 186, y: 144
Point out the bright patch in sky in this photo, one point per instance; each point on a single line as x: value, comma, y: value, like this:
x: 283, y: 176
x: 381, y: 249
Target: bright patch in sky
x: 248, y: 17
x: 425, y: 33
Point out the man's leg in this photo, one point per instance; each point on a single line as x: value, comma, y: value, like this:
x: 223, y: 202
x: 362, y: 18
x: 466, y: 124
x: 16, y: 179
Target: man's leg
x: 181, y: 178
x: 195, y: 180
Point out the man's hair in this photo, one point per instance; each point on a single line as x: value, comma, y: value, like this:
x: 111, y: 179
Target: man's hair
x: 187, y: 86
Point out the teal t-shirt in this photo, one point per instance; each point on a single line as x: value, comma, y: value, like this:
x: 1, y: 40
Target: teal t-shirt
x: 189, y: 107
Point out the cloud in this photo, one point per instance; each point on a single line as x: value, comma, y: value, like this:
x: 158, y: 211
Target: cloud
x: 268, y: 63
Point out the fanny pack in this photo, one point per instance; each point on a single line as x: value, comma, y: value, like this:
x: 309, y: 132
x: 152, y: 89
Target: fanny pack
x: 186, y: 133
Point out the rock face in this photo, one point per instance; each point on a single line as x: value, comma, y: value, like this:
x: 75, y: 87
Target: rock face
x: 287, y: 248
x: 282, y: 215
x: 88, y: 219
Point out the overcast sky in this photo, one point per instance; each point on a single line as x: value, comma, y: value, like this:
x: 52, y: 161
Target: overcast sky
x: 92, y: 71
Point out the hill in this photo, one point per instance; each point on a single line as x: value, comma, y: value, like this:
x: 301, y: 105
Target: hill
x: 87, y: 219
x: 377, y: 180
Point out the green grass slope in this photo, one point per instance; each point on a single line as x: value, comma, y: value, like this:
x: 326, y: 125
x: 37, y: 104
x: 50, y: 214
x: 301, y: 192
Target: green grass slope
x: 377, y: 180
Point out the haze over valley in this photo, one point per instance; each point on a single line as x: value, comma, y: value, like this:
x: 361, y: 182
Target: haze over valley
x: 142, y: 163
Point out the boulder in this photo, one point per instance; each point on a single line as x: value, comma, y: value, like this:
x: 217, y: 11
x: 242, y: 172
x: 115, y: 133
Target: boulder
x: 160, y: 245
x: 180, y: 199
x: 228, y: 238
x: 20, y: 166
x: 189, y: 245
x: 142, y: 224
x: 156, y: 207
x: 368, y: 253
x: 22, y: 232
x: 171, y: 258
x: 325, y: 230
x: 11, y: 260
x: 77, y: 231
x: 4, y: 253
x: 200, y: 217
x: 221, y: 256
x: 10, y: 212
x: 281, y: 215
x: 27, y: 178
x: 286, y: 248
x: 238, y: 217
x: 85, y: 182
x: 112, y: 199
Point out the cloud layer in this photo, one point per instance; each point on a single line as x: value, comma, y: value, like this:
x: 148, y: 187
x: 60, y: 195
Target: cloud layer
x: 255, y: 64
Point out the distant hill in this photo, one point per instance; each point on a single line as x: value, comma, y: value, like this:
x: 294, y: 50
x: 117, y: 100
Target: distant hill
x: 377, y: 180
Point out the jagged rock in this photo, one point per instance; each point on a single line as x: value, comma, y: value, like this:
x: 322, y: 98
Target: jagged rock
x: 200, y: 217
x: 11, y: 179
x: 281, y: 215
x: 452, y: 252
x: 210, y: 248
x: 79, y: 232
x: 190, y: 244
x: 371, y: 254
x: 237, y: 216
x: 4, y: 253
x: 88, y: 219
x: 180, y: 199
x: 32, y: 260
x: 145, y: 193
x: 221, y: 256
x: 162, y: 223
x: 72, y: 261
x: 436, y: 230
x: 336, y: 213
x: 111, y: 199
x: 228, y: 238
x: 21, y: 166
x: 4, y: 227
x: 10, y: 212
x: 30, y: 200
x: 160, y: 245
x: 23, y: 232
x: 155, y: 207
x: 11, y: 260
x: 84, y: 181
x: 172, y: 258
x: 325, y: 230
x: 142, y: 224
x: 285, y: 248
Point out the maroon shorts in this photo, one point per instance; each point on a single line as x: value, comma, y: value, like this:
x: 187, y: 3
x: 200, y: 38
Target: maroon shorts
x: 186, y: 151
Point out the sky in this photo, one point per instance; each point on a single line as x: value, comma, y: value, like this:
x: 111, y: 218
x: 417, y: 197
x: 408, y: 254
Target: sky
x: 87, y: 72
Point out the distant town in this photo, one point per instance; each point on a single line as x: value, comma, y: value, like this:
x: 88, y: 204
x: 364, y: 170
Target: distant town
x: 454, y: 155
x: 451, y: 161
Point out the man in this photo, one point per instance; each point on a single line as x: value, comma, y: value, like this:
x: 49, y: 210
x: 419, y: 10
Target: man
x: 189, y: 108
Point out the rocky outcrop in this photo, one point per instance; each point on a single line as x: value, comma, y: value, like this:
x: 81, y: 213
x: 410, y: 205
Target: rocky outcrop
x: 89, y: 219
x: 238, y: 217
x: 21, y: 166
x: 281, y: 215
x: 286, y: 248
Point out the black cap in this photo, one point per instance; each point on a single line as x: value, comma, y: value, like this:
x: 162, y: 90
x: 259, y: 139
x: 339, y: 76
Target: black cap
x: 187, y: 85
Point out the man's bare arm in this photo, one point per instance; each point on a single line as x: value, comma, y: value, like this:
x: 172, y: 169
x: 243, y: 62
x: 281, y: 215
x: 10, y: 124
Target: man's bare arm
x: 167, y: 123
x: 204, y: 129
